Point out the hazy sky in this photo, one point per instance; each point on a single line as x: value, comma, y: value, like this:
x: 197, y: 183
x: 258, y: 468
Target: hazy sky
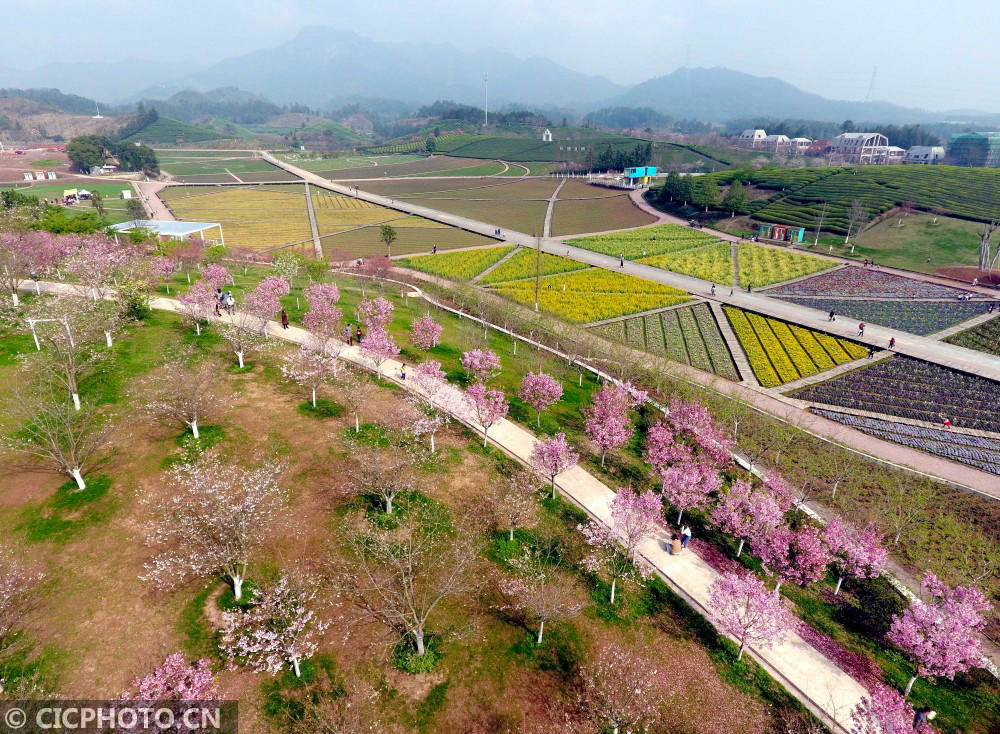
x: 929, y: 54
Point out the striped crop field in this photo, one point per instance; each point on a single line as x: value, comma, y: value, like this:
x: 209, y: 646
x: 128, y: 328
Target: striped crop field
x: 780, y: 352
x: 645, y: 242
x: 457, y: 265
x: 689, y: 335
x: 523, y: 265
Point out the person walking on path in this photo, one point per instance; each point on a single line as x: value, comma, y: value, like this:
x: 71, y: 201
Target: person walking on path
x: 358, y: 335
x: 675, y: 546
x: 621, y: 261
x: 946, y: 421
x: 685, y: 536
x: 833, y: 316
x: 284, y: 319
x: 861, y: 329
x: 348, y: 335
x: 892, y: 342
x: 402, y: 372
x: 871, y: 352
x: 434, y: 249
x: 219, y: 301
x: 230, y: 303
x: 713, y: 289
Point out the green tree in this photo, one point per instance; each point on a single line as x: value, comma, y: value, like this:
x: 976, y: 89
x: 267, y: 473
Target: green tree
x: 671, y: 185
x: 388, y: 236
x: 736, y: 198
x: 430, y: 145
x: 97, y: 201
x: 706, y: 193
x: 134, y: 209
x: 85, y: 152
x: 685, y: 189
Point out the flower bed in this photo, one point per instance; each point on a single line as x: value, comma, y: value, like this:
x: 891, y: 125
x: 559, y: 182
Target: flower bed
x: 713, y: 263
x: 644, y: 242
x: 977, y: 451
x: 916, y: 317
x: 982, y: 338
x: 855, y: 281
x: 522, y: 265
x: 910, y: 388
x: 457, y: 265
x: 760, y: 265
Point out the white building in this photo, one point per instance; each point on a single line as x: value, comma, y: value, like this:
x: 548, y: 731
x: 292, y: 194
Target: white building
x: 547, y: 136
x: 924, y: 154
x: 751, y: 139
x: 893, y: 155
x: 799, y: 146
x: 861, y: 148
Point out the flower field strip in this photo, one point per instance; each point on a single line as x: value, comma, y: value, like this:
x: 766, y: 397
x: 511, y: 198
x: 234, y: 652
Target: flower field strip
x: 711, y: 262
x: 910, y: 388
x: 760, y: 265
x: 653, y: 325
x: 855, y: 281
x: 718, y: 350
x: 658, y: 240
x: 457, y: 265
x: 983, y: 338
x: 976, y: 451
x: 635, y: 333
x: 772, y: 345
x: 673, y: 338
x: 522, y: 265
x: 594, y: 294
x: 695, y: 344
x: 817, y: 353
x: 760, y: 363
x: 804, y: 364
x: 915, y: 317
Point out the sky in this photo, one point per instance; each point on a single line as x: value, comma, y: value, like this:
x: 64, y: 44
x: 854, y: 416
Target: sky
x: 932, y: 55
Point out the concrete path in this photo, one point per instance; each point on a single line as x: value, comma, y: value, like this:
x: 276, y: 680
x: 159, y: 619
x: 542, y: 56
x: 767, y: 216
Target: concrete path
x: 547, y: 227
x: 317, y: 246
x: 739, y: 356
x: 948, y: 355
x: 148, y: 191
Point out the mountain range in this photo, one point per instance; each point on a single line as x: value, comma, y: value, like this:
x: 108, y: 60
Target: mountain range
x: 323, y: 66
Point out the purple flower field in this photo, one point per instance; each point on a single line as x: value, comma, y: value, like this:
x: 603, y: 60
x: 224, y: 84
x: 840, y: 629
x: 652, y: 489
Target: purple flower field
x: 911, y: 388
x: 977, y: 451
x: 855, y: 281
x: 916, y: 317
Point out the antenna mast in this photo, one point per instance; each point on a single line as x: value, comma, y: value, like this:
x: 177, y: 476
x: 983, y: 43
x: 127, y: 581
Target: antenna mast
x: 486, y: 98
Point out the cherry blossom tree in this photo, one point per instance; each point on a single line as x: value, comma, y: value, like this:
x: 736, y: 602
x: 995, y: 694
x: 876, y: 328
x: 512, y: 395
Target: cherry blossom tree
x: 748, y: 610
x: 378, y: 346
x: 607, y: 554
x: 662, y: 448
x: 264, y: 301
x: 482, y: 364
x: 355, y: 389
x: 99, y: 262
x: 398, y: 577
x: 17, y: 596
x: 746, y: 512
x: 885, y: 711
x: 621, y: 689
x: 310, y: 368
x: 538, y: 589
x: 608, y: 423
x: 278, y: 629
x: 197, y: 304
x: 489, y: 406
x: 160, y: 269
x: 25, y: 252
x: 425, y: 333
x: 693, y: 419
x: 689, y: 484
x: 375, y: 313
x: 857, y: 552
x: 215, y: 276
x: 323, y: 317
x: 184, y: 393
x: 552, y: 456
x: 799, y: 556
x: 510, y: 501
x: 540, y: 391
x: 386, y: 471
x: 175, y: 680
x: 941, y: 635
x: 242, y: 332
x: 635, y: 517
x: 215, y: 520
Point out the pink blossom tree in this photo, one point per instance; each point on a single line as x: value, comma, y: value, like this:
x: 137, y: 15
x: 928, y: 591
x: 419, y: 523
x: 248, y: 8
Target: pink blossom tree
x: 608, y: 423
x: 635, y: 517
x: 540, y: 391
x: 310, y: 368
x: 489, y: 406
x: 425, y: 333
x: 748, y: 610
x: 278, y: 629
x: 185, y: 393
x: 323, y: 317
x: 689, y: 484
x: 693, y: 419
x: 99, y: 261
x: 160, y: 269
x: 482, y: 364
x: 941, y: 635
x: 606, y: 554
x: 264, y: 301
x: 799, y: 556
x: 885, y: 711
x: 214, y: 521
x: 379, y: 346
x: 19, y: 250
x: 18, y: 584
x: 552, y: 456
x: 375, y: 313
x: 196, y: 304
x: 510, y: 501
x: 662, y: 448
x: 621, y: 690
x: 243, y: 333
x: 538, y: 590
x: 215, y: 276
x: 175, y: 680
x: 857, y: 552
x: 746, y: 513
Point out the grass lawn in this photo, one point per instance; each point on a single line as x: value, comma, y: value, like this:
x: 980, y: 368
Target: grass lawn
x: 596, y: 215
x: 493, y: 168
x: 920, y: 244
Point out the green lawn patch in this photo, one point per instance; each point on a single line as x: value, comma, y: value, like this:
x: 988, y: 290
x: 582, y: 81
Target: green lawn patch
x: 68, y: 512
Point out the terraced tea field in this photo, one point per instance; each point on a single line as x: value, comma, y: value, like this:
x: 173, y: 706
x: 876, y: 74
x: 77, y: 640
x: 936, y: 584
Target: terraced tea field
x: 592, y: 295
x: 780, y: 352
x: 689, y: 335
x: 909, y: 388
x: 980, y: 452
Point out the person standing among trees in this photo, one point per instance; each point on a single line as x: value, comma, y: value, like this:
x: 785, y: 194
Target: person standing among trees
x: 685, y: 536
x: 284, y: 319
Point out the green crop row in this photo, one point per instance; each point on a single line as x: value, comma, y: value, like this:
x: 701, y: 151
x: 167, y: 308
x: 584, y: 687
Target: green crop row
x: 645, y: 242
x: 457, y: 265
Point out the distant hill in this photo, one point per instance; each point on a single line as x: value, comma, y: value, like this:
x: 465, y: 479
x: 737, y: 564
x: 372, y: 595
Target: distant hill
x: 228, y: 103
x: 166, y: 131
x: 719, y: 94
x: 72, y: 103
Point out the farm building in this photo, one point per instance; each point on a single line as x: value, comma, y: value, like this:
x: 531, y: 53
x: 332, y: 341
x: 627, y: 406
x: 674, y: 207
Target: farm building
x: 776, y: 143
x: 924, y: 154
x: 975, y: 149
x: 818, y: 147
x: 547, y: 136
x: 860, y: 148
x: 799, y: 146
x: 173, y: 230
x: 751, y: 139
x: 781, y: 233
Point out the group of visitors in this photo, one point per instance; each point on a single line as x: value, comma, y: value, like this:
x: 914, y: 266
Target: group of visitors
x: 679, y: 542
x: 224, y: 301
x: 870, y: 263
x: 351, y: 336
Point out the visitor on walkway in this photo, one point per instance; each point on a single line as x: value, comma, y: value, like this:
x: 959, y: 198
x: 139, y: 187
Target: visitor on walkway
x: 621, y: 261
x: 220, y: 300
x: 713, y: 289
x: 434, y: 249
x: 284, y: 319
x: 892, y: 342
x: 871, y: 352
x: 402, y: 372
x: 833, y: 316
x: 861, y: 329
x: 230, y: 303
x: 348, y: 335
x: 923, y: 715
x: 685, y: 536
x: 358, y: 335
x: 675, y: 546
x: 946, y: 422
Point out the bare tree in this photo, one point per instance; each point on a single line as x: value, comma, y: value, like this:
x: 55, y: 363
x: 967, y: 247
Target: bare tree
x: 903, y: 506
x: 386, y: 470
x: 185, y: 393
x: 356, y: 710
x: 355, y: 390
x: 856, y: 217
x: 621, y: 689
x: 214, y: 521
x: 539, y: 588
x: 52, y: 429
x: 511, y: 501
x: 399, y: 577
x: 819, y: 224
x: 17, y: 597
x: 244, y: 334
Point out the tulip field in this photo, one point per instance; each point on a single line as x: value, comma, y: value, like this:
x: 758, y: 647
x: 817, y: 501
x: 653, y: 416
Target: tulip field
x: 856, y: 281
x: 689, y: 335
x: 980, y: 452
x: 910, y: 388
x: 780, y: 352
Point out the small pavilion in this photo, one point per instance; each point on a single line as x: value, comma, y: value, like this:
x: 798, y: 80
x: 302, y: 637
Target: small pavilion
x: 171, y: 229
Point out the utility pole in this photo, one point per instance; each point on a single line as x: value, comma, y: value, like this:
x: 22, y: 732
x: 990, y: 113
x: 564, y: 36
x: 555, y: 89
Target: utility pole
x: 486, y: 98
x: 538, y: 267
x: 819, y: 225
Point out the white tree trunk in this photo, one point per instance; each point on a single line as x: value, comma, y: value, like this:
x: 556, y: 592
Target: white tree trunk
x: 614, y: 581
x: 512, y: 533
x: 515, y: 346
x: 432, y: 442
x: 541, y: 629
x: 679, y: 515
x: 237, y: 586
x: 107, y: 338
x: 388, y: 505
x: 189, y: 277
x: 75, y: 473
x: 357, y: 424
x: 909, y: 685
x: 418, y: 635
x: 197, y: 328
x: 295, y: 666
x: 239, y: 356
x: 194, y: 428
x: 740, y: 549
x: 833, y: 495
x: 13, y: 294
x: 739, y: 655
x: 895, y: 541
x: 76, y: 400
x: 553, y: 487
x: 840, y: 580
x: 580, y: 381
x: 314, y: 397
x: 777, y: 587
x: 485, y: 437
